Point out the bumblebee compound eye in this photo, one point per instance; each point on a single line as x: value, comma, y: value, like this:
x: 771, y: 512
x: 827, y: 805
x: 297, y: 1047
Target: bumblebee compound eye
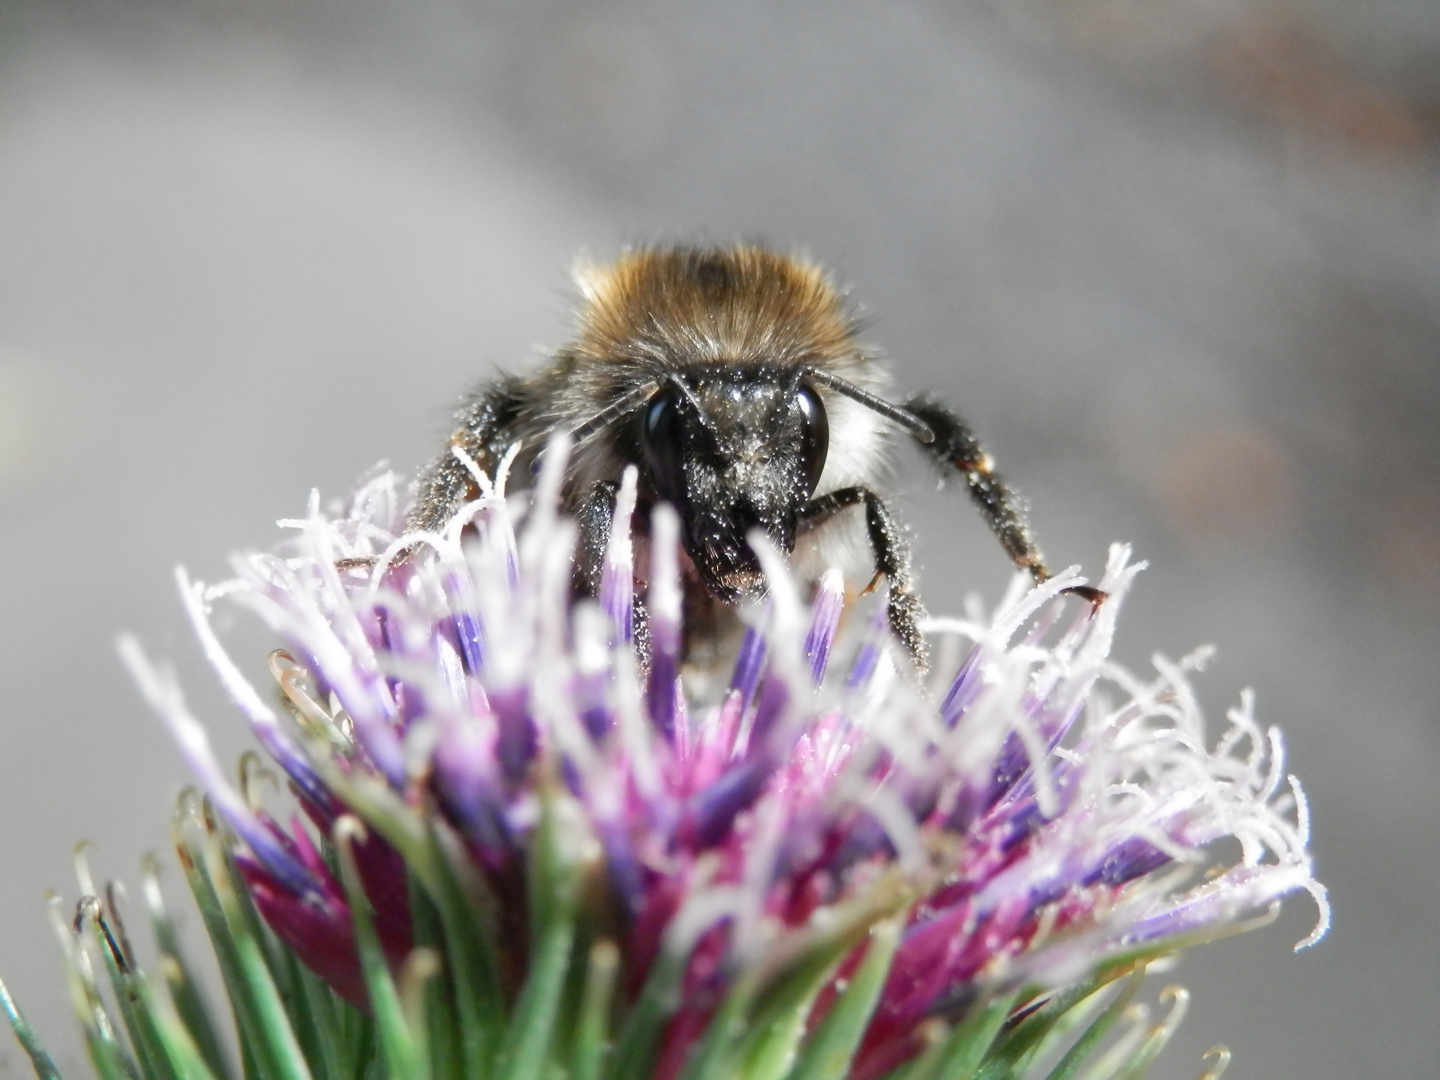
x: 814, y: 437
x: 662, y: 442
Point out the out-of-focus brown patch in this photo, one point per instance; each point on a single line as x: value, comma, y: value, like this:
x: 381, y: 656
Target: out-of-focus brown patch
x: 1405, y: 541
x: 1147, y: 31
x: 1268, y: 57
x: 1227, y: 485
x: 1280, y: 70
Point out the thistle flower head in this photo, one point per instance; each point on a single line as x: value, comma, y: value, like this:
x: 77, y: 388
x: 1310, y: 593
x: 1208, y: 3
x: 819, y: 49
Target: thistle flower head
x: 832, y: 870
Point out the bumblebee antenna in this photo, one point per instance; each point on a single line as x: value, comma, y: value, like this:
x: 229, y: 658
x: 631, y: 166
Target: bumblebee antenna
x: 694, y: 402
x: 612, y: 412
x: 903, y: 417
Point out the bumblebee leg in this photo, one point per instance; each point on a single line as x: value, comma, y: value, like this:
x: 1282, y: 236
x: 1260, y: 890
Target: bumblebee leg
x: 593, y: 516
x: 892, y: 560
x: 483, y: 429
x: 955, y: 447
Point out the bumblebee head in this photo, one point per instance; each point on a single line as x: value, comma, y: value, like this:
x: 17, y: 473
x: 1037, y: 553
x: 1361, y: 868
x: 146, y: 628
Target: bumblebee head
x: 733, y: 449
x: 710, y: 363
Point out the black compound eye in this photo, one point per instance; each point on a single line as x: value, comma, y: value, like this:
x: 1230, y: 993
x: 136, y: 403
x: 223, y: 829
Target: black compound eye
x: 814, y: 437
x: 662, y: 439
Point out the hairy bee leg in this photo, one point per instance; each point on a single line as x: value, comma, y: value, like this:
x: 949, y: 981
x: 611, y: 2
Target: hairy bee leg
x: 593, y: 516
x: 891, y: 555
x: 956, y: 447
x: 482, y: 430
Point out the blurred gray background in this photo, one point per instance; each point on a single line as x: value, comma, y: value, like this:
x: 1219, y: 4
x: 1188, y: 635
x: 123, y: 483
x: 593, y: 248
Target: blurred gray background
x: 1178, y: 260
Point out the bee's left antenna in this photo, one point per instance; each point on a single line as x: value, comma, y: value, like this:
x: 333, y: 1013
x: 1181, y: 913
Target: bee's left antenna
x: 902, y: 417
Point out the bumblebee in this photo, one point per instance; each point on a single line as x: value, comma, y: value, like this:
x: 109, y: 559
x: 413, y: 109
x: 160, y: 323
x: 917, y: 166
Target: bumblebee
x: 733, y: 380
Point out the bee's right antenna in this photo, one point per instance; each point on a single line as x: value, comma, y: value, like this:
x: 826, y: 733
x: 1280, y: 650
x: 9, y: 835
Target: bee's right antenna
x: 626, y: 403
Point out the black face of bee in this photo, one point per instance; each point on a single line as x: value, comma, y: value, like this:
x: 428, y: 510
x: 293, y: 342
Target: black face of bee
x: 733, y: 450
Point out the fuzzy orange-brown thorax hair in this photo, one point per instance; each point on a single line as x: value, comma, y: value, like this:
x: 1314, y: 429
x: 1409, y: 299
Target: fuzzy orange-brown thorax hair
x: 692, y: 305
